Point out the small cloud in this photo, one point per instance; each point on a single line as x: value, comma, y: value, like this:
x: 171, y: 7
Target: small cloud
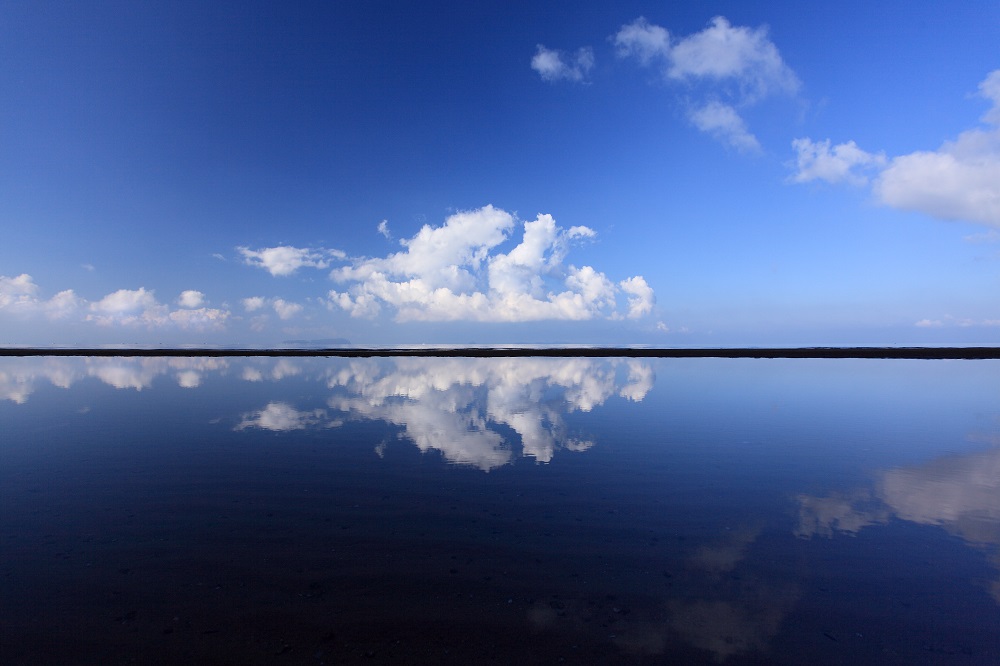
x: 929, y: 323
x: 383, y: 228
x: 219, y: 256
x: 817, y: 160
x: 640, y: 296
x: 285, y: 259
x: 286, y: 309
x: 554, y: 65
x: 643, y: 41
x: 87, y: 267
x: 661, y: 327
x: 191, y: 299
x: 253, y: 303
x: 725, y: 124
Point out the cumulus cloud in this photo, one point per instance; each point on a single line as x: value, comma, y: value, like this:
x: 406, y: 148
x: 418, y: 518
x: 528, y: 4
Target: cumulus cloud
x: 286, y: 309
x: 725, y: 66
x: 285, y: 259
x: 253, y: 303
x: 640, y: 296
x: 958, y: 181
x: 19, y: 295
x: 457, y: 272
x: 554, y: 65
x: 383, y: 228
x: 817, y: 160
x: 139, y: 307
x: 191, y: 299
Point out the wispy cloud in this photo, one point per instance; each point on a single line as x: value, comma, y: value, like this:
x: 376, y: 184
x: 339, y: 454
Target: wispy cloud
x: 457, y: 272
x: 554, y: 65
x: 731, y: 66
x: 285, y: 260
x: 818, y: 160
x: 725, y: 124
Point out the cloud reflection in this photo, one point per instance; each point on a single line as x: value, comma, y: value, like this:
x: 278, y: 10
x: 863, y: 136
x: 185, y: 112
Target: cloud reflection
x: 959, y: 493
x: 465, y: 408
x: 460, y: 407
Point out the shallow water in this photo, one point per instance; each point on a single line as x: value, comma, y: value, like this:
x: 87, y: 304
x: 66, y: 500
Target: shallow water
x: 210, y: 510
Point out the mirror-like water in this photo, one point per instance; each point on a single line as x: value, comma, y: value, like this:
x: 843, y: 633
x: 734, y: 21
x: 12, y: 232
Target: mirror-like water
x: 490, y: 510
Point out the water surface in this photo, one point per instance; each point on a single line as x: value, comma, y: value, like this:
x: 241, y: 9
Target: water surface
x: 450, y: 510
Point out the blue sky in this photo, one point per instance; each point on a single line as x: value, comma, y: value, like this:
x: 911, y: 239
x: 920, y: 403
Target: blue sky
x: 656, y: 173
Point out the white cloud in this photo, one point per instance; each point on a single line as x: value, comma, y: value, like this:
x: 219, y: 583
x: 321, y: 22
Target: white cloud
x: 19, y: 295
x: 139, y: 307
x: 200, y: 319
x: 640, y: 296
x: 725, y: 124
x: 253, y: 303
x: 729, y: 66
x: 740, y: 54
x: 285, y: 259
x: 383, y: 228
x: 282, y: 417
x: 286, y: 309
x: 958, y: 181
x: 128, y: 307
x: 554, y: 65
x: 454, y: 272
x: 644, y: 41
x: 817, y: 160
x: 191, y: 299
x: 961, y: 322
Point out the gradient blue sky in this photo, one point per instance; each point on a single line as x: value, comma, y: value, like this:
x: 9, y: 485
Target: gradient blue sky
x: 675, y: 174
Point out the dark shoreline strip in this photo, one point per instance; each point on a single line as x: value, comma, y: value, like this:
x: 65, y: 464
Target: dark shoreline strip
x: 486, y: 352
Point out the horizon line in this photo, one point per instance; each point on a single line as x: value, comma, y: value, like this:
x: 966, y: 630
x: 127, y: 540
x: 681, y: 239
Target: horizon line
x: 971, y: 353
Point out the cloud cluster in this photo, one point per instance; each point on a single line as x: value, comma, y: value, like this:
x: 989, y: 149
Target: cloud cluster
x: 19, y: 296
x: 285, y: 259
x: 729, y: 66
x: 554, y: 65
x: 456, y: 272
x: 284, y: 309
x: 958, y: 181
x: 127, y: 307
x: 139, y: 307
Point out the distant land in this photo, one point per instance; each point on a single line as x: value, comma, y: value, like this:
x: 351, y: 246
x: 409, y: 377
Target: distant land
x: 527, y: 351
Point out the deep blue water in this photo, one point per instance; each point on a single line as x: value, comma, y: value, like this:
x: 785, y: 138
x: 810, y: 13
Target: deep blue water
x: 448, y: 510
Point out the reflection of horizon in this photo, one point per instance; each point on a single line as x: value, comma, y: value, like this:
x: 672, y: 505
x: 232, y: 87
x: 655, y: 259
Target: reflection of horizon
x: 959, y: 493
x: 456, y: 405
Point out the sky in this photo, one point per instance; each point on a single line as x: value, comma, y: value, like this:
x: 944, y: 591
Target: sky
x: 388, y: 173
